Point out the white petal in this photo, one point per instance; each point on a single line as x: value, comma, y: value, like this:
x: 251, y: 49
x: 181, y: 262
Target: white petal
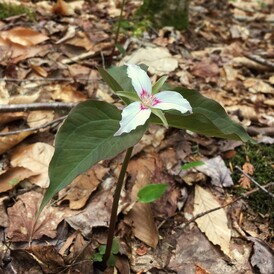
x: 140, y: 79
x: 132, y: 116
x: 172, y: 100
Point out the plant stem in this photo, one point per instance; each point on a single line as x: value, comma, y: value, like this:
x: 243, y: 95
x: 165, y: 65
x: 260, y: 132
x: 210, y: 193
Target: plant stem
x: 118, y: 28
x: 115, y: 204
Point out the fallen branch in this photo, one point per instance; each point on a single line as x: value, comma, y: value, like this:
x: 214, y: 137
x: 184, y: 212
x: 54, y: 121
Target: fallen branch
x: 259, y: 60
x: 60, y: 79
x: 35, y: 106
x: 242, y: 196
x: 51, y: 124
x: 253, y: 131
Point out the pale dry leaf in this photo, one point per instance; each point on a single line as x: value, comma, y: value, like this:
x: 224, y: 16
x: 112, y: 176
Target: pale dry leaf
x: 159, y: 60
x: 214, y: 224
x: 39, y: 118
x: 23, y: 225
x: 12, y: 177
x: 9, y: 117
x: 79, y: 191
x: 35, y: 157
x: 244, y: 181
x: 24, y: 99
x: 216, y: 169
x: 8, y: 142
x: 67, y: 93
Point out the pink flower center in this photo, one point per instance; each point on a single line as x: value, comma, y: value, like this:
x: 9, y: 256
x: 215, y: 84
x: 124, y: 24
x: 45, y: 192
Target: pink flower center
x: 148, y: 100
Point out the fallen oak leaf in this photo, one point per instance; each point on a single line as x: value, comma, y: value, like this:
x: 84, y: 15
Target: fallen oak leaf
x: 35, y: 157
x: 214, y: 224
x: 244, y: 181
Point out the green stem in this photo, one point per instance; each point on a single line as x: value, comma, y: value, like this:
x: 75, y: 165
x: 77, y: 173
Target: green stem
x: 118, y: 28
x: 115, y: 204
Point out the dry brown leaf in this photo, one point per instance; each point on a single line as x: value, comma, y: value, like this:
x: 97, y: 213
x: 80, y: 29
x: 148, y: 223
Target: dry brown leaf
x: 97, y: 212
x: 12, y: 177
x: 206, y: 69
x: 48, y: 257
x: 24, y: 99
x: 4, y: 219
x: 39, y: 70
x: 39, y: 118
x: 81, y: 40
x: 62, y: 8
x: 35, y: 157
x: 78, y: 192
x: 256, y: 85
x: 140, y: 216
x: 9, y: 117
x: 67, y: 93
x: 8, y: 142
x: 23, y: 36
x: 214, y: 224
x: 22, y: 218
x: 245, y: 182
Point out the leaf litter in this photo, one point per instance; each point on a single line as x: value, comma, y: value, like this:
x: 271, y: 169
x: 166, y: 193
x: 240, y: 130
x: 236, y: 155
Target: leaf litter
x: 70, y: 41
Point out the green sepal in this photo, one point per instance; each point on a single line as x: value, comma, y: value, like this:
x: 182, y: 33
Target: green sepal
x: 159, y: 113
x: 129, y: 95
x: 157, y: 86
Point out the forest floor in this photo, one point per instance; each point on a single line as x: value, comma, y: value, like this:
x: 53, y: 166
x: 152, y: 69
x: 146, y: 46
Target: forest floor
x: 51, y: 53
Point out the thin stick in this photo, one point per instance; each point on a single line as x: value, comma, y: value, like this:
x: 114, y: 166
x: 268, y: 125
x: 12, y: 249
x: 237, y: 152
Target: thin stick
x: 115, y: 204
x: 260, y: 60
x: 35, y: 106
x: 225, y: 205
x: 51, y: 123
x: 256, y: 183
x: 49, y: 79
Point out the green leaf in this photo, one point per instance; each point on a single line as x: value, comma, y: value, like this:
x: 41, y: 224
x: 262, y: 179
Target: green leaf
x: 85, y: 138
x: 208, y: 118
x: 115, y: 246
x: 192, y: 164
x: 158, y: 85
x: 150, y: 193
x: 128, y: 94
x: 97, y: 257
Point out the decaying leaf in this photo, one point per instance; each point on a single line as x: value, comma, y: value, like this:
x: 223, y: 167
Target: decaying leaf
x: 67, y: 93
x: 62, y: 8
x: 214, y: 224
x: 262, y: 258
x: 245, y: 182
x: 34, y: 157
x: 22, y: 218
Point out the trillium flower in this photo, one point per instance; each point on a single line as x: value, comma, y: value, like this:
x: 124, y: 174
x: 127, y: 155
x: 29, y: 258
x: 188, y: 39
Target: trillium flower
x: 148, y: 100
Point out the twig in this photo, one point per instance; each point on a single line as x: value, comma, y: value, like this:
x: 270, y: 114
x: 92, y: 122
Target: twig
x: 51, y: 123
x: 259, y: 60
x: 242, y: 196
x: 256, y: 183
x: 60, y: 79
x: 35, y: 106
x: 78, y: 57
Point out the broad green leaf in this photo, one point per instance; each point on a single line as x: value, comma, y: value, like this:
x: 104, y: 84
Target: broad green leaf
x: 192, y: 164
x: 150, y: 193
x: 85, y: 138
